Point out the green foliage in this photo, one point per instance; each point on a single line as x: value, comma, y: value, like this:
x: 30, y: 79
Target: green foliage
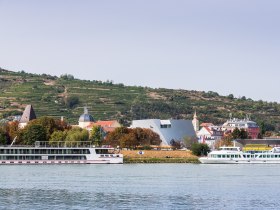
x: 58, y: 136
x: 200, y: 149
x: 239, y: 134
x: 3, y: 137
x: 96, y: 135
x: 189, y: 141
x: 235, y: 133
x: 48, y: 123
x: 77, y: 134
x: 32, y: 133
x: 72, y: 101
x: 67, y: 77
x: 131, y: 138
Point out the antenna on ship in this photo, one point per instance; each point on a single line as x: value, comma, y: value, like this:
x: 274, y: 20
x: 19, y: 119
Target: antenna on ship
x: 13, y: 141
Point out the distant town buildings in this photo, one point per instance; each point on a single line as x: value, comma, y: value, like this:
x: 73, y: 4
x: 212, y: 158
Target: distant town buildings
x: 251, y: 127
x: 168, y: 130
x: 209, y: 134
x: 86, y: 121
x: 28, y: 115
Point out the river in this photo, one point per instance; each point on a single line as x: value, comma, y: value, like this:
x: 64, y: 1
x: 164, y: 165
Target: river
x: 140, y: 186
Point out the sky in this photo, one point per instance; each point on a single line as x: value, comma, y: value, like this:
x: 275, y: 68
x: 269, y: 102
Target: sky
x: 226, y: 46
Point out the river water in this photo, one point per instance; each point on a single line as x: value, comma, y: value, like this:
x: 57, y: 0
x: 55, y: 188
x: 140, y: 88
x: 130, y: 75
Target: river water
x: 140, y: 186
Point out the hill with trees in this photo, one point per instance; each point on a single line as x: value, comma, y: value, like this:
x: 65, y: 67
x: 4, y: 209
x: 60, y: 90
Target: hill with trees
x: 66, y: 96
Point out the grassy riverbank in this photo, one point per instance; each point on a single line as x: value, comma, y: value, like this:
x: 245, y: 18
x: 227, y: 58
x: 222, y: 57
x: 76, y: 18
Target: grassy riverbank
x: 152, y: 156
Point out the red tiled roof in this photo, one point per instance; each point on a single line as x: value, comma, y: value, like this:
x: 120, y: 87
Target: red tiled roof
x: 206, y: 124
x: 103, y: 124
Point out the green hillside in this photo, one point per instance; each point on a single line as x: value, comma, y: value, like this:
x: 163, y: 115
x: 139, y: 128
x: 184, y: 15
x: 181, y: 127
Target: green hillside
x: 66, y: 96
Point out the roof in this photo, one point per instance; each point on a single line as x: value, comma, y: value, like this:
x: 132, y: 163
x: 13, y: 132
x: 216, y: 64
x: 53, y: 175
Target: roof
x: 107, y: 126
x: 206, y: 124
x: 86, y: 117
x: 28, y: 114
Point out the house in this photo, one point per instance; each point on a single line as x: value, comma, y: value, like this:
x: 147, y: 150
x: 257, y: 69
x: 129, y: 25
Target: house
x: 168, y: 130
x: 209, y: 134
x: 250, y: 126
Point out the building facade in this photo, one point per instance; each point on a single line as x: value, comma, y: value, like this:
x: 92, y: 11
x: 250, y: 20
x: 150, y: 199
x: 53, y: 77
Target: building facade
x: 251, y: 127
x: 168, y: 130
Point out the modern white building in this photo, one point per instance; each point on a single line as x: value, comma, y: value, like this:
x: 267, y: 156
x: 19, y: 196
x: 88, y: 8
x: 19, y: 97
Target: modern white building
x: 168, y: 130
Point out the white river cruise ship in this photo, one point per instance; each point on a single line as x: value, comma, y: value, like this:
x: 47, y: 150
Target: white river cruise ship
x: 234, y: 155
x: 59, y: 153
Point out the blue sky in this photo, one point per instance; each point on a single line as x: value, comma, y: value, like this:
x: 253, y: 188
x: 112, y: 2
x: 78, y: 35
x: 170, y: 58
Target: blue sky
x: 227, y: 46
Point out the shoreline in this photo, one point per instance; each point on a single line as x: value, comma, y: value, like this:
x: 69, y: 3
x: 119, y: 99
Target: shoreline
x: 160, y: 160
x: 158, y: 156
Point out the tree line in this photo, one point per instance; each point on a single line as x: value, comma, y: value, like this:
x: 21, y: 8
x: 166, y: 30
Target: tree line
x: 47, y: 129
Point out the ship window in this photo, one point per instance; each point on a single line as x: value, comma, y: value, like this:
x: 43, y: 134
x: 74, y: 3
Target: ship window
x: 219, y: 156
x: 223, y: 156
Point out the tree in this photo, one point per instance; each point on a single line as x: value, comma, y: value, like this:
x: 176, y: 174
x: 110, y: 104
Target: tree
x: 72, y: 101
x: 48, y: 123
x: 32, y: 133
x: 236, y: 133
x: 243, y: 134
x: 58, y: 136
x: 200, y: 149
x: 113, y: 138
x: 225, y: 141
x: 12, y: 130
x: 3, y: 136
x: 189, y: 141
x: 230, y: 96
x: 132, y: 137
x: 96, y: 135
x: 175, y: 144
x: 77, y: 135
x: 128, y: 141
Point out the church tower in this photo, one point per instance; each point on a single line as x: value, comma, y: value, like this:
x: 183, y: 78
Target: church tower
x: 195, y: 122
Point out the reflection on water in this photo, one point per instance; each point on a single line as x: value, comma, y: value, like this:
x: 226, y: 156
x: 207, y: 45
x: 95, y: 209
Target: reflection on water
x: 139, y: 186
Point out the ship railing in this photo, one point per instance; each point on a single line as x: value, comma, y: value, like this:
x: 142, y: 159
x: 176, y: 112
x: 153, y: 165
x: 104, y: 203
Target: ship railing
x: 62, y: 144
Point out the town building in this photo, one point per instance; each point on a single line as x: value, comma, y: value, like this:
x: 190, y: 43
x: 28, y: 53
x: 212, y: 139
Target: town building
x: 168, y: 130
x: 251, y: 127
x: 85, y: 119
x: 27, y: 116
x: 210, y: 134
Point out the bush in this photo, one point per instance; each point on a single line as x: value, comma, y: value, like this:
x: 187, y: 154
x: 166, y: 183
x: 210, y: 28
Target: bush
x: 72, y: 101
x: 200, y: 149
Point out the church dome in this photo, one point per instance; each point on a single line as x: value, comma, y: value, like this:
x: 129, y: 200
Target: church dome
x: 86, y: 117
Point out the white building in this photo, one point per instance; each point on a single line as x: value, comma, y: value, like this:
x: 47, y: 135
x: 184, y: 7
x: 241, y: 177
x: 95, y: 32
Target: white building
x: 167, y: 129
x: 210, y: 134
